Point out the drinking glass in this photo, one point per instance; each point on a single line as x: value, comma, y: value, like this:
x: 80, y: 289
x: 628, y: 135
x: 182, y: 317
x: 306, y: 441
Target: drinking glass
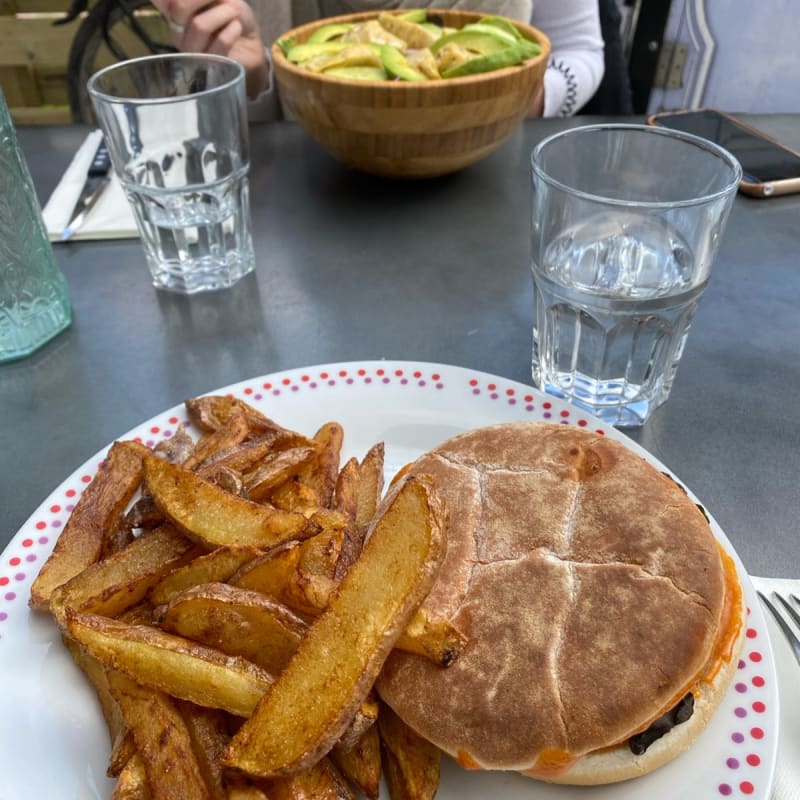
x: 626, y: 222
x: 176, y: 128
x: 34, y: 302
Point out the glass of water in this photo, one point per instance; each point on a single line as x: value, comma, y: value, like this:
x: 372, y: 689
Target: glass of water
x: 626, y: 222
x: 176, y: 129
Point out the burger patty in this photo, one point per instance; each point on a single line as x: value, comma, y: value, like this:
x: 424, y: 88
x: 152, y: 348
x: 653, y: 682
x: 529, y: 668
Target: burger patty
x: 590, y: 589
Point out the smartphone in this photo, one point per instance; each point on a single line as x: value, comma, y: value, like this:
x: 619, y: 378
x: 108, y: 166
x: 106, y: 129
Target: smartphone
x: 768, y: 167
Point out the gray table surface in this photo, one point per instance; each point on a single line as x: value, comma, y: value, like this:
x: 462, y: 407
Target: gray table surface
x: 352, y: 267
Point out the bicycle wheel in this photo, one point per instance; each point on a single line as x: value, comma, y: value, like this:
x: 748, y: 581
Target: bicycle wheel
x: 114, y: 30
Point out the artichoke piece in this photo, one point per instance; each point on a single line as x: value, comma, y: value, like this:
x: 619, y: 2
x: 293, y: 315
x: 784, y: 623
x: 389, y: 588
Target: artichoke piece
x: 301, y: 53
x: 503, y: 24
x: 358, y: 73
x: 372, y: 32
x: 396, y: 64
x: 414, y: 35
x: 354, y: 55
x: 423, y: 61
x: 452, y: 56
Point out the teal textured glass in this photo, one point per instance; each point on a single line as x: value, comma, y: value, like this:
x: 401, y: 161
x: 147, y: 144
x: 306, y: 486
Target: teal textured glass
x: 34, y: 302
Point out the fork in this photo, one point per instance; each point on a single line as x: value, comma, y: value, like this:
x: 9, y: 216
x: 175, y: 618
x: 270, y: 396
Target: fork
x: 794, y: 642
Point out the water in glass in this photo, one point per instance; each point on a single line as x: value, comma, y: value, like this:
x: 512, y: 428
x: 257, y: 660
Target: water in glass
x: 195, y: 228
x: 613, y: 303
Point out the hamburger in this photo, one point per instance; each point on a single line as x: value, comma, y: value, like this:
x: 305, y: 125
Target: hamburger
x: 603, y: 618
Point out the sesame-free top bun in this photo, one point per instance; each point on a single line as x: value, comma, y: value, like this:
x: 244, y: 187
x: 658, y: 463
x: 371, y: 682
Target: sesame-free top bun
x: 593, y: 596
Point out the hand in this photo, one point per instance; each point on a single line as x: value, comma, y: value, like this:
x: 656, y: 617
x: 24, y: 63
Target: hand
x: 224, y: 27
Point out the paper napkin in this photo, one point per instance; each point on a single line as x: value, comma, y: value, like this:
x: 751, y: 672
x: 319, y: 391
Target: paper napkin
x: 787, y: 771
x: 111, y: 217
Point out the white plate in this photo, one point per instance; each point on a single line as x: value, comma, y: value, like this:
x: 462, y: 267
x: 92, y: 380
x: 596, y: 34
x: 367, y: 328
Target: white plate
x: 53, y: 741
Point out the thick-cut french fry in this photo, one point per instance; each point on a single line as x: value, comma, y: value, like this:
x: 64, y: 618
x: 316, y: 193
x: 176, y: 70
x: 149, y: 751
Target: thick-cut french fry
x: 295, y: 496
x: 345, y: 501
x: 117, y: 540
x: 132, y: 782
x: 96, y: 516
x: 174, y: 665
x: 239, y: 790
x: 215, y: 517
x: 122, y: 751
x: 361, y: 763
x: 432, y: 636
x: 334, y: 667
x: 322, y: 781
x: 275, y: 470
x: 297, y: 574
x: 177, y: 448
x: 144, y: 513
x: 271, y: 572
x: 140, y: 614
x: 363, y: 720
x: 236, y: 621
x: 323, y: 470
x: 232, y: 433
x: 208, y: 734
x: 229, y: 480
x: 243, y: 457
x: 162, y: 740
x: 216, y: 566
x: 212, y: 412
x: 95, y: 672
x: 277, y: 574
x: 411, y: 764
x: 110, y: 587
x: 320, y: 554
x: 371, y: 485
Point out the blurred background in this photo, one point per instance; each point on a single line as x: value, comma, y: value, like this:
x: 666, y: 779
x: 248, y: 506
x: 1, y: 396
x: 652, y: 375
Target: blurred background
x: 734, y: 55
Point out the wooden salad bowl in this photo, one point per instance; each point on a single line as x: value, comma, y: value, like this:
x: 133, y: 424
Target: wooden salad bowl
x: 410, y: 129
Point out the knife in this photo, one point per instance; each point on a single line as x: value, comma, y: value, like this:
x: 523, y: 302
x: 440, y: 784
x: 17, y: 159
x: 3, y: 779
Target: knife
x: 97, y: 178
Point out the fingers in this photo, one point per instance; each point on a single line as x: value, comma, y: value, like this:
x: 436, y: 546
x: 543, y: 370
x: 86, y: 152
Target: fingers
x: 225, y: 39
x: 208, y: 26
x: 179, y: 14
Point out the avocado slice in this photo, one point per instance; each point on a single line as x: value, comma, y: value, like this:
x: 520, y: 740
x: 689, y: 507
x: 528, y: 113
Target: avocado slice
x: 483, y: 43
x: 327, y: 32
x: 432, y: 28
x: 361, y: 73
x: 507, y: 57
x: 302, y: 52
x: 397, y: 65
x: 502, y: 24
x: 417, y: 15
x: 491, y: 30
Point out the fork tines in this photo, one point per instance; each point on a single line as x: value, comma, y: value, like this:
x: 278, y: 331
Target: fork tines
x: 790, y: 635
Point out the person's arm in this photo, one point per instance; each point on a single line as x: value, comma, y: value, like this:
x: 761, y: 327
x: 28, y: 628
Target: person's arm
x: 576, y: 61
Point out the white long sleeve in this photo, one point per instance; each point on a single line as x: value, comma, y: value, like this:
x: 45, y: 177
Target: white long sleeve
x: 576, y: 60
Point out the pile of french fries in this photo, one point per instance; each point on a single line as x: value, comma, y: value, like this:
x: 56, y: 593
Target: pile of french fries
x: 232, y: 600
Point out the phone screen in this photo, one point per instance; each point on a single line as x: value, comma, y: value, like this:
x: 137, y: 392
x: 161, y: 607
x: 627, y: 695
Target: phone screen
x: 762, y: 161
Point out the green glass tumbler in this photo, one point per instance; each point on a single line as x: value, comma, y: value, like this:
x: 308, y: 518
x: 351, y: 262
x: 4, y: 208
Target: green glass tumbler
x: 34, y: 302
